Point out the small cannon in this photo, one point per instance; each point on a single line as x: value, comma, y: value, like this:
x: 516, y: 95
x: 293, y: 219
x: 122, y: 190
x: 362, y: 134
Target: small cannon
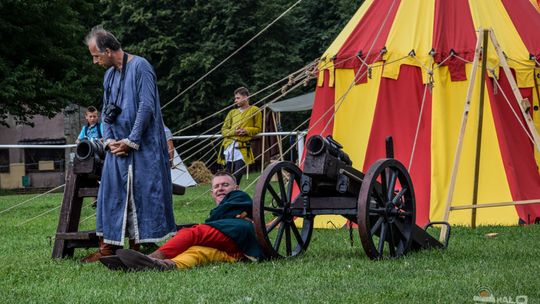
x: 82, y: 181
x: 381, y: 202
x: 89, y: 157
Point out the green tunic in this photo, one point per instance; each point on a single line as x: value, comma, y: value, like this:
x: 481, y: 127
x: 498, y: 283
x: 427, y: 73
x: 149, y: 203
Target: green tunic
x: 241, y: 231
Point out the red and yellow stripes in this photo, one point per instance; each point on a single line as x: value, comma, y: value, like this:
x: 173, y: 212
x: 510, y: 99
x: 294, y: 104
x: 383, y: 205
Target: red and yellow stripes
x: 408, y: 46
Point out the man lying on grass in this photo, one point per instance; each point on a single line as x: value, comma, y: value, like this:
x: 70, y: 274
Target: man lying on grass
x: 226, y: 236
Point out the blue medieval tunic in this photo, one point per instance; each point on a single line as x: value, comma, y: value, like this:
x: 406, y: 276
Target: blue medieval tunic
x: 135, y: 193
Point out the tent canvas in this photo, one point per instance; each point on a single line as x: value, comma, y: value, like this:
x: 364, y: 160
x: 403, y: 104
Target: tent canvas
x: 179, y: 173
x: 401, y: 68
x: 299, y: 103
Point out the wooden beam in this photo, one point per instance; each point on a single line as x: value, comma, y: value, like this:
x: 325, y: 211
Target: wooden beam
x: 479, y: 129
x: 517, y: 94
x: 501, y: 204
x: 459, y: 147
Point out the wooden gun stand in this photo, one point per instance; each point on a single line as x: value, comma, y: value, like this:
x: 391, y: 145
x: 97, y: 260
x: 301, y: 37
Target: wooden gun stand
x: 68, y: 237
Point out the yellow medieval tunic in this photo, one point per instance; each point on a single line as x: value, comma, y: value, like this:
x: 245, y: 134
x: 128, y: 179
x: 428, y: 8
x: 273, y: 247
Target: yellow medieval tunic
x: 250, y: 120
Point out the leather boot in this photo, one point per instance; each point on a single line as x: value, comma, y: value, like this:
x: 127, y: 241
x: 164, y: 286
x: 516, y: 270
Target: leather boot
x: 104, y: 250
x: 137, y: 261
x: 157, y: 255
x: 134, y: 246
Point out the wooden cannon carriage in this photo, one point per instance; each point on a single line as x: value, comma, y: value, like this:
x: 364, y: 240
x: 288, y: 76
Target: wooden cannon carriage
x: 381, y: 202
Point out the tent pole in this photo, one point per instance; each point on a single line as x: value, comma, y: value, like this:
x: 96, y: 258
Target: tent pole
x: 501, y: 204
x: 263, y: 139
x: 523, y: 103
x: 279, y: 137
x: 451, y: 187
x: 480, y: 125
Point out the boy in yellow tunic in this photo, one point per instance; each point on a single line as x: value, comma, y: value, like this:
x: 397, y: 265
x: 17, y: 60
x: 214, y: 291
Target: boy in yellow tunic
x: 239, y: 127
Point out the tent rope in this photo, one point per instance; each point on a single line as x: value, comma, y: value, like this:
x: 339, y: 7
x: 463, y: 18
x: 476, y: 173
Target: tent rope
x: 386, y: 18
x: 341, y: 99
x: 46, y: 212
x: 32, y: 198
x: 461, y: 58
x: 417, y: 129
x: 283, y: 93
x: 232, y: 54
x: 492, y: 71
x: 306, y: 75
x: 252, y: 95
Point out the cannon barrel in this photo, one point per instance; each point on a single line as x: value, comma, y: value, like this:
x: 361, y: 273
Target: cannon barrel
x: 89, y: 156
x: 87, y: 149
x: 317, y: 145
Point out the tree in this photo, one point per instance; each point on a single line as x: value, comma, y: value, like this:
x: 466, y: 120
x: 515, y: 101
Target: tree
x: 44, y: 64
x: 185, y: 39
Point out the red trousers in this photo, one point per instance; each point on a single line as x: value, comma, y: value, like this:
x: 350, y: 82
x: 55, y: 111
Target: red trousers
x: 199, y: 235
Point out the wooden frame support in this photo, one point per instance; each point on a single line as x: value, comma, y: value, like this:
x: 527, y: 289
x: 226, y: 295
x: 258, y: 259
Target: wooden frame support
x: 68, y: 237
x: 483, y: 36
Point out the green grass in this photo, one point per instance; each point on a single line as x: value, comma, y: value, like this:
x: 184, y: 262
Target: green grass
x: 331, y: 271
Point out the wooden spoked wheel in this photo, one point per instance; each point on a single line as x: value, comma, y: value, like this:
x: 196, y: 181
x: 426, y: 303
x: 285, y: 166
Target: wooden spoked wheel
x: 281, y: 232
x: 386, y: 210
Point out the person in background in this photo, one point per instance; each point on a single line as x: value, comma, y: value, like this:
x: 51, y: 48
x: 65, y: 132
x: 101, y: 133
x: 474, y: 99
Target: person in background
x: 239, y: 127
x: 170, y: 144
x: 93, y: 130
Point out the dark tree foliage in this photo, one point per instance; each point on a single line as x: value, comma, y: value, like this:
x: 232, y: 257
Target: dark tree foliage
x: 44, y: 64
x: 185, y: 39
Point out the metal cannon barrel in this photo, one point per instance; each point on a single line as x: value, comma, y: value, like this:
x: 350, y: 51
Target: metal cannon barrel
x: 88, y: 148
x: 317, y: 145
x: 89, y: 157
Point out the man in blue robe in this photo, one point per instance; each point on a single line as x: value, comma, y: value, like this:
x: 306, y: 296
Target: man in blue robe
x: 135, y: 193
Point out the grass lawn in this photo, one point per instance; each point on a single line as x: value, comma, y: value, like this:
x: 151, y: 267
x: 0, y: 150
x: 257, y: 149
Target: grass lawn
x: 331, y: 271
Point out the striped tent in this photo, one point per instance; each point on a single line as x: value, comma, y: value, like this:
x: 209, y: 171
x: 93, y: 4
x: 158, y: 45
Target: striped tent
x: 401, y: 68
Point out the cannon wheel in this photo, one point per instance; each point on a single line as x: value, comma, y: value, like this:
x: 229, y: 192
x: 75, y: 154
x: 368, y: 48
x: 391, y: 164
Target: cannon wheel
x: 277, y: 232
x: 386, y: 210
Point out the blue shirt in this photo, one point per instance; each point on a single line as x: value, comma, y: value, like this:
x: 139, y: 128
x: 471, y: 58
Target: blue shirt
x: 91, y: 132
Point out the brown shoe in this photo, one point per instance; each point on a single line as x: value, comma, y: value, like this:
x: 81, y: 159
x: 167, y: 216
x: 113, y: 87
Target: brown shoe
x: 137, y: 261
x: 104, y: 250
x: 134, y: 246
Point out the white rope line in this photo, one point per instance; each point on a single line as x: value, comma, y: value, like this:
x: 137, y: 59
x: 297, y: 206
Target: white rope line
x: 87, y: 218
x: 244, y: 166
x: 246, y: 118
x: 421, y: 64
x: 462, y: 59
x: 283, y: 93
x: 417, y: 128
x: 39, y: 215
x: 260, y: 109
x: 232, y: 54
x: 46, y: 212
x: 381, y: 28
x: 341, y: 99
x: 304, y: 76
x: 285, y: 152
x: 388, y: 62
x: 511, y: 108
x: 443, y: 61
x: 251, y: 95
x: 32, y: 198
